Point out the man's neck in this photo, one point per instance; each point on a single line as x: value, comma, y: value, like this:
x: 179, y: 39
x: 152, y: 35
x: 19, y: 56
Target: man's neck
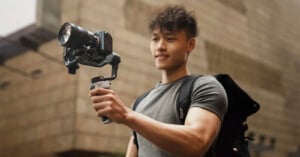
x: 170, y: 76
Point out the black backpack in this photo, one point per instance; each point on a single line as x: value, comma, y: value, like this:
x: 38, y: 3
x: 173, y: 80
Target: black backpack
x: 231, y: 141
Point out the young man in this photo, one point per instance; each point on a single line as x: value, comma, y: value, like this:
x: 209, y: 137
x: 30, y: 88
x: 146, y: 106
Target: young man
x: 158, y: 128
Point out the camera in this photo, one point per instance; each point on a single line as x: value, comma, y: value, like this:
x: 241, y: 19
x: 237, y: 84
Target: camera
x: 93, y: 49
x: 84, y: 47
x: 75, y: 37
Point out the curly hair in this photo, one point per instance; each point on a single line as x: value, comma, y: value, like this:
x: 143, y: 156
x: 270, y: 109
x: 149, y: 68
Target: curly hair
x: 174, y: 18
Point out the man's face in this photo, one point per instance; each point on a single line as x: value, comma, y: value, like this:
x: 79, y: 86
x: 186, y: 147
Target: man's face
x: 170, y: 49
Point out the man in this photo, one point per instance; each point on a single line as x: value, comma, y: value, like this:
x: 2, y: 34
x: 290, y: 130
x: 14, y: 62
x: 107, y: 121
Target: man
x: 159, y: 132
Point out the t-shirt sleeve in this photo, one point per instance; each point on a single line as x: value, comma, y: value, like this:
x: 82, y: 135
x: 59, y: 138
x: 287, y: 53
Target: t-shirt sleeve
x: 209, y: 94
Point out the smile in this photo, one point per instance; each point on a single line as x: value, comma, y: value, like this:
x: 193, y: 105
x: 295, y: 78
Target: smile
x: 161, y: 56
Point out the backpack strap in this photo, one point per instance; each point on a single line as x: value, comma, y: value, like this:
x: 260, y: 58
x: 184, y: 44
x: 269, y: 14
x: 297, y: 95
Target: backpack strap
x: 134, y: 106
x: 184, y: 96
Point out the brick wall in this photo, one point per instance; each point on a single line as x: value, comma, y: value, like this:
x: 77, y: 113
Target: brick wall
x: 254, y: 41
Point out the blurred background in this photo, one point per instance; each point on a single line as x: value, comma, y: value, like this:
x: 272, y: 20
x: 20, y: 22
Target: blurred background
x: 46, y: 112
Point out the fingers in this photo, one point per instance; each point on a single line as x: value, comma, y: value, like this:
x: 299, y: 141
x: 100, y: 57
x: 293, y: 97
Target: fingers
x: 103, y: 110
x: 106, y: 103
x: 101, y: 94
x: 101, y: 105
x: 100, y: 91
x: 102, y: 100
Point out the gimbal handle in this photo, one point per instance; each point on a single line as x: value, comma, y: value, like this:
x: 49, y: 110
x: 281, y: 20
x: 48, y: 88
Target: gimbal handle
x: 114, y: 60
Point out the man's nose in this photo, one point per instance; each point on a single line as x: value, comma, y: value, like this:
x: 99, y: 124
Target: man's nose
x: 161, y: 46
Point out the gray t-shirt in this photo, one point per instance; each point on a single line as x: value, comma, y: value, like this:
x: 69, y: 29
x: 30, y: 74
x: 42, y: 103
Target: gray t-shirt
x: 160, y: 104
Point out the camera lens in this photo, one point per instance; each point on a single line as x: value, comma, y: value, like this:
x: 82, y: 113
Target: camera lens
x: 65, y: 35
x: 73, y: 36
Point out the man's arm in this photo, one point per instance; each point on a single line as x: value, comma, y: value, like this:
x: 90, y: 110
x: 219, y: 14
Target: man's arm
x: 192, y: 139
x: 131, y: 148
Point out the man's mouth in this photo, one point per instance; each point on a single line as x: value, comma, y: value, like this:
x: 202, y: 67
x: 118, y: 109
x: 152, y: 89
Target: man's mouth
x: 161, y: 56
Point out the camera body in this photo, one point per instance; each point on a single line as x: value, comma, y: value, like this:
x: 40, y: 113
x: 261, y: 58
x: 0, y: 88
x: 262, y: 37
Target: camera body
x: 83, y: 47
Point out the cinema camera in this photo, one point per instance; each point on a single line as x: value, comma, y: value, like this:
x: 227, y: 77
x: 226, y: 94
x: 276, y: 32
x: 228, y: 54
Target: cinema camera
x: 92, y: 49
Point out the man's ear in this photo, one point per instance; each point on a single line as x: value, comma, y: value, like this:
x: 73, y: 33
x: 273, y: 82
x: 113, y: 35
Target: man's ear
x: 191, y: 44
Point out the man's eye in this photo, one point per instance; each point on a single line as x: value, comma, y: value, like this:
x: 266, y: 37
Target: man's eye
x: 171, y: 38
x: 154, y: 39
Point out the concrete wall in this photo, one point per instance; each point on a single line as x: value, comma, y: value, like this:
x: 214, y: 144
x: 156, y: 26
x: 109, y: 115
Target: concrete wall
x: 253, y: 40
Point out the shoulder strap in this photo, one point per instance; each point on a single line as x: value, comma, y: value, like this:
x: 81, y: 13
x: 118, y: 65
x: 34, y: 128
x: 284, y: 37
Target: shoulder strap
x: 134, y: 106
x: 184, y: 97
